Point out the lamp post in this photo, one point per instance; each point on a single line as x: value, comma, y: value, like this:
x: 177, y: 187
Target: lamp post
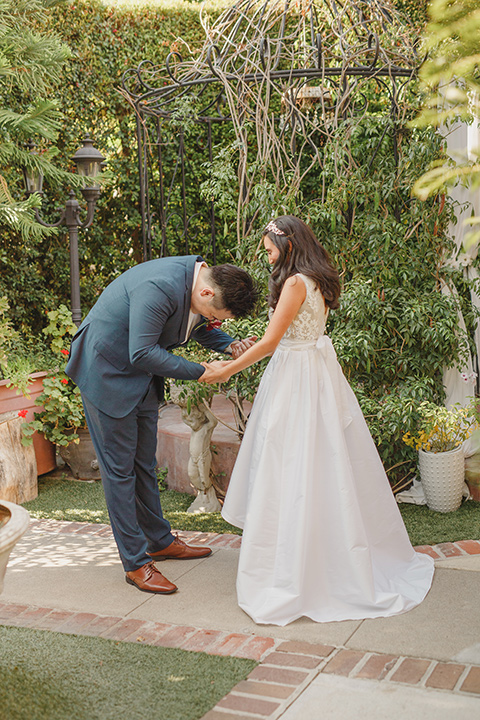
x: 89, y: 164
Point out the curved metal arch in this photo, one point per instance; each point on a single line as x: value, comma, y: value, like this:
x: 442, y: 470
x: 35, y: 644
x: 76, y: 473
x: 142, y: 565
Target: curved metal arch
x: 274, y: 48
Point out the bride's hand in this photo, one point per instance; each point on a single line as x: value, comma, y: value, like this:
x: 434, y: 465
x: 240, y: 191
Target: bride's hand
x: 215, y: 372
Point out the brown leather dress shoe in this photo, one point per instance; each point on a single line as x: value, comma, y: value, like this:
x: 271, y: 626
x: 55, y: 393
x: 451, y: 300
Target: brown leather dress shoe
x: 178, y: 550
x: 149, y: 579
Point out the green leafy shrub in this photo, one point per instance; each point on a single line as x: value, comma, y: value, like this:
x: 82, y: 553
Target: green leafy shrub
x: 62, y: 413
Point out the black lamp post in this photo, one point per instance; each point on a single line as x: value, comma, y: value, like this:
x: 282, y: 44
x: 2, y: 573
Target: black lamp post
x: 89, y: 164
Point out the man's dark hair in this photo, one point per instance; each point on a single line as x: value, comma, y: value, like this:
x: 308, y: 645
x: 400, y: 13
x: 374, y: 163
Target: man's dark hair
x: 238, y: 293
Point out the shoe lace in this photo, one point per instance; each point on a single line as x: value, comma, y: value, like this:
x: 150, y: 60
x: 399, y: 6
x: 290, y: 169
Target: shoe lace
x: 178, y: 541
x: 150, y: 569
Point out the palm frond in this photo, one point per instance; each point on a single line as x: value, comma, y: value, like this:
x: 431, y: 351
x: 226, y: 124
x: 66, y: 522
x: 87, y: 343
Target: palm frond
x: 42, y: 119
x: 20, y: 215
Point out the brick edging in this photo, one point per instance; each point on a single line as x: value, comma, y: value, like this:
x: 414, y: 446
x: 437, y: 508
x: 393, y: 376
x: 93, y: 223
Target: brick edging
x: 218, y: 540
x: 290, y: 667
x: 186, y: 637
x: 285, y: 668
x: 442, y: 551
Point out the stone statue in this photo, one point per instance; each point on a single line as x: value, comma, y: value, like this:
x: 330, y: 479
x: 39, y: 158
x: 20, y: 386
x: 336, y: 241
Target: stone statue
x: 202, y: 423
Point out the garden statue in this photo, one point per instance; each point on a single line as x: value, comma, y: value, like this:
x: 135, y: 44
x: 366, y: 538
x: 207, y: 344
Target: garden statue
x: 202, y: 423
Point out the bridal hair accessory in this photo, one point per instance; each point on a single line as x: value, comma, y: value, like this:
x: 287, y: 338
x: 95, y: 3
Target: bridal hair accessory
x: 271, y: 227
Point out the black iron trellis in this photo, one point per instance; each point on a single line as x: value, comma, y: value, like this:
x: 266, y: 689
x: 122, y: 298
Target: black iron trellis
x: 295, y: 71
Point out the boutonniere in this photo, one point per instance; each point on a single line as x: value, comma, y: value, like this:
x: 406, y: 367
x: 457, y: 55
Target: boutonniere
x: 213, y: 325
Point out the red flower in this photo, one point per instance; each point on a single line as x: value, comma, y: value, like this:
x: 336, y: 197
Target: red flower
x: 213, y: 324
x: 64, y: 352
x: 64, y: 381
x: 22, y: 413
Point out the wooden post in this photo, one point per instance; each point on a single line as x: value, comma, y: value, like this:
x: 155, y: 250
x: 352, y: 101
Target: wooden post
x: 18, y: 467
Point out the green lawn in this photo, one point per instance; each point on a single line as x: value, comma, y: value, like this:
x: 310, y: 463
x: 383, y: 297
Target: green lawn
x: 63, y: 499
x: 50, y: 676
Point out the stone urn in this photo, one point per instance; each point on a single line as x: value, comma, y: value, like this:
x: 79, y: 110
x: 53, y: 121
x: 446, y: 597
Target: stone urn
x: 81, y: 457
x: 14, y: 521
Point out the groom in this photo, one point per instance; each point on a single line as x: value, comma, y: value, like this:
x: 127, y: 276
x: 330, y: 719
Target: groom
x: 118, y: 358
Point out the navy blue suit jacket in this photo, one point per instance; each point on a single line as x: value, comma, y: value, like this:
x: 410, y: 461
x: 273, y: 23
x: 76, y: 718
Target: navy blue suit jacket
x: 125, y: 339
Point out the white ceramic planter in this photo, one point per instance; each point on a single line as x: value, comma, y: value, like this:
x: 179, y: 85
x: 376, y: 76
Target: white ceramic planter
x: 443, y: 477
x: 14, y: 521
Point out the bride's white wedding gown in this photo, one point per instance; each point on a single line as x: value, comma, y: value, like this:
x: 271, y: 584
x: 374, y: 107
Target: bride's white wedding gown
x: 322, y: 533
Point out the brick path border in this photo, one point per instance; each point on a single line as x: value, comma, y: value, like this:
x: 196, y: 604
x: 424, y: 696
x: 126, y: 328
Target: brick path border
x: 285, y: 668
x: 442, y: 551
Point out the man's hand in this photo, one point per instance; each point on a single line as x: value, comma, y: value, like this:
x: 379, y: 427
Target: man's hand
x: 239, y: 346
x: 215, y: 372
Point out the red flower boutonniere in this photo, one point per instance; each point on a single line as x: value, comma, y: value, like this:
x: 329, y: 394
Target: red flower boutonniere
x: 213, y: 324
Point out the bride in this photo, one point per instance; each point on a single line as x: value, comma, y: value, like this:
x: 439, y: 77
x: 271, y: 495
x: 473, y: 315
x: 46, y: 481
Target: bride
x: 322, y: 533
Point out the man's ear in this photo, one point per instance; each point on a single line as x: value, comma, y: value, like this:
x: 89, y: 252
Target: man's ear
x: 207, y: 291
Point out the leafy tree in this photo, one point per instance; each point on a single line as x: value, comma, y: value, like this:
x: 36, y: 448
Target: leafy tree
x: 451, y: 80
x: 30, y: 63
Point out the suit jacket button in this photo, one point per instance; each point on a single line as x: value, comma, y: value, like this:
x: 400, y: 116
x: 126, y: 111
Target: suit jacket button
x: 149, y: 374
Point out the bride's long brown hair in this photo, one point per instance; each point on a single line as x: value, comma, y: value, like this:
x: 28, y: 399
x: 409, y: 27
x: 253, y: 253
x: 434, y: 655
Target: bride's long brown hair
x: 300, y: 252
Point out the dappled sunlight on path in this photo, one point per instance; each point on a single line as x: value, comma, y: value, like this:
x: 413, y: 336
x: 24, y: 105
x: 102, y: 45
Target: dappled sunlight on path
x: 37, y: 550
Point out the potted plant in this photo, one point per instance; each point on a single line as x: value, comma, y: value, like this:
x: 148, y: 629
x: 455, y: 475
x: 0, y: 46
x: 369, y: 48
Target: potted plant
x: 21, y: 382
x: 439, y: 442
x: 62, y: 419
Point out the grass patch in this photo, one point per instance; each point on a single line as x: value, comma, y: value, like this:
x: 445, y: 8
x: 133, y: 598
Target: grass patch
x: 63, y: 499
x: 427, y: 527
x: 51, y: 676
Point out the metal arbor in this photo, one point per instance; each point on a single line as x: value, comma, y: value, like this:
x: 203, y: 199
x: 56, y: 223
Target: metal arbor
x: 274, y: 81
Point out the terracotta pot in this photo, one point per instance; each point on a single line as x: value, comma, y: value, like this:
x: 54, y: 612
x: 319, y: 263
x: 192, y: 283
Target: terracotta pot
x: 11, y: 401
x: 81, y: 457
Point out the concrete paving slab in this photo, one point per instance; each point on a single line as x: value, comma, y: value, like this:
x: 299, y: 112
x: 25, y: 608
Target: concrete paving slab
x: 207, y: 598
x: 441, y: 627
x: 83, y: 573
x: 471, y: 563
x: 469, y: 655
x: 73, y: 572
x: 338, y: 698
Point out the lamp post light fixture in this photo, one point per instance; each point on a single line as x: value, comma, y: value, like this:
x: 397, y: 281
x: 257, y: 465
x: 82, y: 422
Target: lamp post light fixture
x: 89, y: 165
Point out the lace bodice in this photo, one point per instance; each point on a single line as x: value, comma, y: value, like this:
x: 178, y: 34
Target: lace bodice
x: 309, y: 322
